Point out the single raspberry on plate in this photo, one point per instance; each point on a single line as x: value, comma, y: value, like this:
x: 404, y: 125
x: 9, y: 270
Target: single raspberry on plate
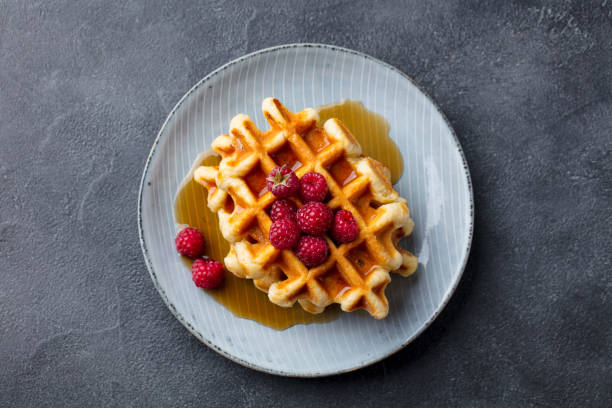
x: 284, y: 234
x: 283, y: 208
x: 282, y: 182
x: 312, y: 251
x: 313, y: 187
x: 190, y: 242
x: 344, y: 227
x: 206, y: 273
x: 314, y: 218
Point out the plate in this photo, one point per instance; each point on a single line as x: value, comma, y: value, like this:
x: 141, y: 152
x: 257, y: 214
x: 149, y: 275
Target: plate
x: 435, y: 182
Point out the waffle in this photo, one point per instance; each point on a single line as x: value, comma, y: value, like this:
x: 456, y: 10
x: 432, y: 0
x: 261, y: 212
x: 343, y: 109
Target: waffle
x: 355, y: 274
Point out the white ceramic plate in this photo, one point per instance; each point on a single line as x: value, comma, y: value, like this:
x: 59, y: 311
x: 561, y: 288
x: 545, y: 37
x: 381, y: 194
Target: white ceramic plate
x: 435, y: 182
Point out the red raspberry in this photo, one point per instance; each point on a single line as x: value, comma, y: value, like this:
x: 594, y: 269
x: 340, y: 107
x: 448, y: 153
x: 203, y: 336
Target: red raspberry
x: 283, y: 208
x: 312, y: 251
x: 313, y: 187
x: 206, y: 273
x: 282, y: 182
x: 314, y: 218
x: 284, y: 234
x: 344, y: 228
x: 190, y: 242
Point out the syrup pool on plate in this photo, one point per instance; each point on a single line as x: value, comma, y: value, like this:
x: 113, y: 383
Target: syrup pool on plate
x: 371, y: 131
x: 238, y: 295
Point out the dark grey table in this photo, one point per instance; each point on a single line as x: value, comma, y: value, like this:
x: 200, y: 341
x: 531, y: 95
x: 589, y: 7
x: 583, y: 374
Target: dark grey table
x: 84, y: 87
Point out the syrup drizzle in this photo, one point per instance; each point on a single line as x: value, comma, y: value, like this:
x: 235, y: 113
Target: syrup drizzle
x: 240, y: 296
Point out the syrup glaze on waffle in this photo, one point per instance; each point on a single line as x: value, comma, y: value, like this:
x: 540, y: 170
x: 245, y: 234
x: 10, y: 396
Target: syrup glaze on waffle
x: 356, y: 273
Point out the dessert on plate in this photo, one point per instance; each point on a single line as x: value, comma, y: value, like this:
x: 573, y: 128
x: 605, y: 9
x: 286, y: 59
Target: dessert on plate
x: 308, y: 217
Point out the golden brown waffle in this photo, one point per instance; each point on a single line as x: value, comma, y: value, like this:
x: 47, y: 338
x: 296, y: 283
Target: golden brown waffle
x: 355, y: 274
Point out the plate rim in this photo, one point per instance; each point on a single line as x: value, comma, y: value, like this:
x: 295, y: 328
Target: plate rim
x: 227, y: 354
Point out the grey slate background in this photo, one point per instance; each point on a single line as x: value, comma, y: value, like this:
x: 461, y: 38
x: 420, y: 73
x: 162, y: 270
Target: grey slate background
x: 84, y: 87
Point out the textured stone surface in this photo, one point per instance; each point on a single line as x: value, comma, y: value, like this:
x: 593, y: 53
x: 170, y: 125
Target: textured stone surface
x: 84, y: 87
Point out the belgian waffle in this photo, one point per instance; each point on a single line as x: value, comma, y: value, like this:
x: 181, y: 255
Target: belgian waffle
x: 355, y: 274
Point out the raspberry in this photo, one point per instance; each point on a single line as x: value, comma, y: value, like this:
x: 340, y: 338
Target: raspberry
x: 344, y: 227
x: 206, y: 273
x: 313, y: 187
x: 284, y: 234
x: 314, y: 218
x: 282, y: 182
x: 312, y: 251
x: 190, y: 242
x: 283, y: 208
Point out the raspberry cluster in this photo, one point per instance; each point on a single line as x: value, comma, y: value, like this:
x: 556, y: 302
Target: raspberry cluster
x: 313, y: 218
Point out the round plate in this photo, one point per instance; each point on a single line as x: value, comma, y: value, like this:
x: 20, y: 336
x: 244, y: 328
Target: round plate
x: 435, y: 182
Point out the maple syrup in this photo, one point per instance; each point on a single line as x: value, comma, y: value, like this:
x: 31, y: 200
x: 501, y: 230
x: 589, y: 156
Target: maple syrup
x: 371, y: 131
x: 240, y: 296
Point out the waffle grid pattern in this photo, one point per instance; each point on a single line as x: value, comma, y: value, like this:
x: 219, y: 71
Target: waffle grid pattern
x: 356, y: 273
